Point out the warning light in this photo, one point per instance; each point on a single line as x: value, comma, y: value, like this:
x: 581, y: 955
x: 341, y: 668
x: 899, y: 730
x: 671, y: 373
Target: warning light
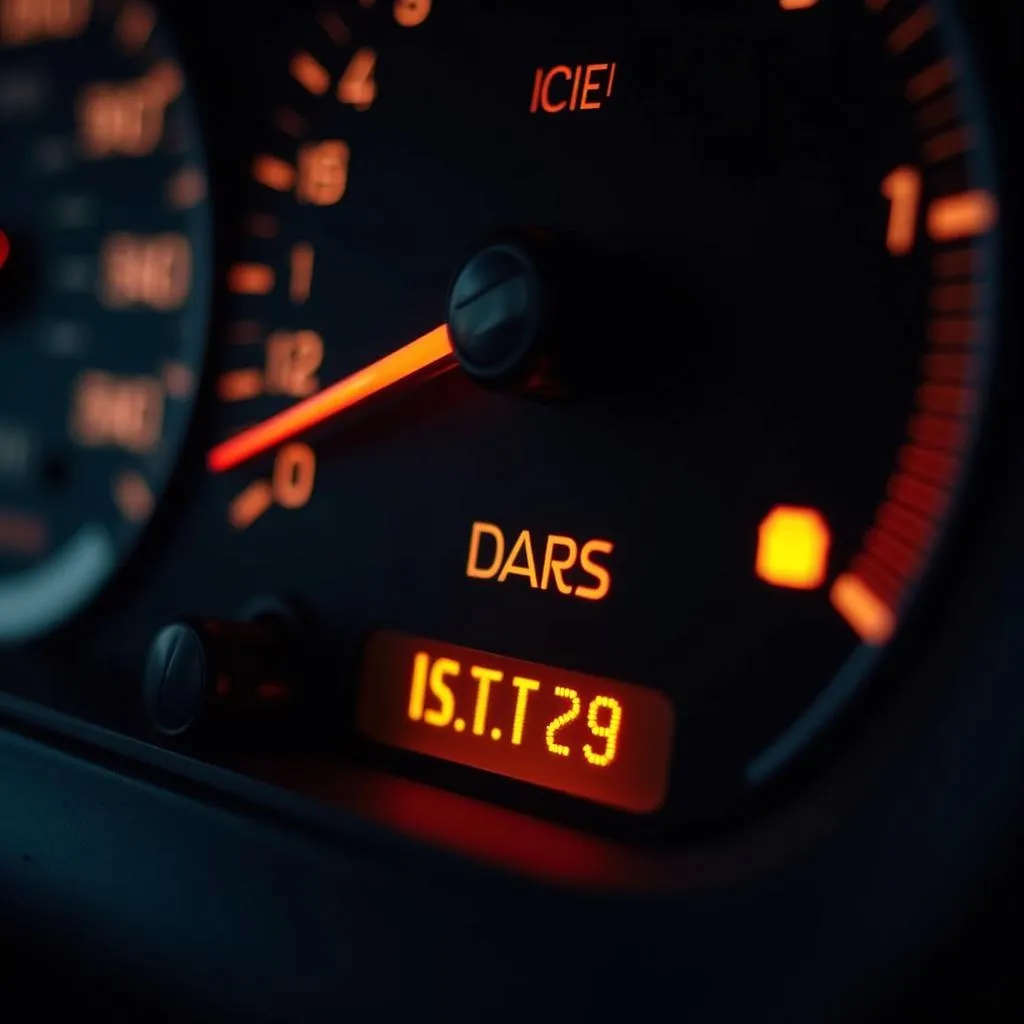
x: 792, y: 548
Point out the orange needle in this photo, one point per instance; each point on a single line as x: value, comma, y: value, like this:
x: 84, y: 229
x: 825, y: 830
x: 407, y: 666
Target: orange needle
x: 426, y: 351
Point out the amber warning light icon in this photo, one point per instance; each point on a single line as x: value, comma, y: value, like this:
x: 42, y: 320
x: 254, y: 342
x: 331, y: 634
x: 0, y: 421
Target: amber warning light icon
x: 564, y: 88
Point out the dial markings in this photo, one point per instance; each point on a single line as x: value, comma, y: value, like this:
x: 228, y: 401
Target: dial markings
x: 947, y: 145
x: 905, y: 523
x: 952, y: 298
x: 334, y: 26
x: 301, y: 272
x: 952, y: 332
x: 251, y: 279
x: 915, y: 493
x: 310, y: 73
x: 937, y: 467
x: 134, y: 25
x: 948, y: 366
x: 961, y: 215
x: 950, y: 400
x: 290, y: 122
x: 245, y: 332
x: 273, y: 172
x: 410, y: 13
x: 262, y: 225
x: 928, y: 82
x: 22, y: 534
x: 954, y: 263
x: 908, y: 32
x: 179, y: 379
x: 937, y: 432
x: 186, y: 189
x: 893, y: 552
x: 133, y: 497
x: 937, y: 113
x: 248, y: 506
x: 881, y: 579
x: 868, y: 616
x: 239, y: 385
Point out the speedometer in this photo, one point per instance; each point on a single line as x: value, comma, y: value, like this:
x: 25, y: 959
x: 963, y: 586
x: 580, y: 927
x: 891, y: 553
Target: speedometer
x: 104, y: 251
x: 604, y: 377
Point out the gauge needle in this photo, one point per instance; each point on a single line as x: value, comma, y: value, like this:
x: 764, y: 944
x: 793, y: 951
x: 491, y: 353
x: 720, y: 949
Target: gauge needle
x: 432, y: 349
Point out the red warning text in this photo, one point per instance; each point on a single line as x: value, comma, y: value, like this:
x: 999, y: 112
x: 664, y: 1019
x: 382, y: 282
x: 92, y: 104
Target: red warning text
x: 563, y: 88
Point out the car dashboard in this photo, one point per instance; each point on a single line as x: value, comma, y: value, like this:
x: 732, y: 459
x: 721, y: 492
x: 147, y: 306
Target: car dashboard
x: 511, y: 507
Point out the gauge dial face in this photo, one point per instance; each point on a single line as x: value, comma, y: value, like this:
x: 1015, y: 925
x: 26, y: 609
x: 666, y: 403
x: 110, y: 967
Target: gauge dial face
x: 104, y: 245
x: 718, y: 279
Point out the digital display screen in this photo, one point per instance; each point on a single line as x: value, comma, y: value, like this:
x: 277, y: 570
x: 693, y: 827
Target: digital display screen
x: 595, y: 738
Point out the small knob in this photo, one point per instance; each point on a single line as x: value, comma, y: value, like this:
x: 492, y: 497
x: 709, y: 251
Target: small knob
x: 516, y: 305
x: 200, y: 669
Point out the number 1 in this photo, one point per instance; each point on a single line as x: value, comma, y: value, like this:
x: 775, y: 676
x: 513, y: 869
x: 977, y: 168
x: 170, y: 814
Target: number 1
x: 418, y: 691
x: 902, y: 187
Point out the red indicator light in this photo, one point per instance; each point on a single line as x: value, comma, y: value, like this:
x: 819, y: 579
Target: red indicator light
x: 792, y: 548
x: 595, y: 738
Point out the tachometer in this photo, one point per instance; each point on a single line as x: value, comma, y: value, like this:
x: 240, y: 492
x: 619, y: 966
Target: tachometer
x: 104, y: 249
x: 646, y: 342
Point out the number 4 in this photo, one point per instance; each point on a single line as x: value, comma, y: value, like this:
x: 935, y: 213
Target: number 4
x: 358, y: 87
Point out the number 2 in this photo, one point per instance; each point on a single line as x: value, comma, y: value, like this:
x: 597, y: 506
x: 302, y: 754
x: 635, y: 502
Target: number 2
x: 557, y: 723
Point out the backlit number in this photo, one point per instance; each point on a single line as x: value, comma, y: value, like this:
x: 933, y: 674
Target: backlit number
x: 293, y: 358
x: 357, y: 87
x: 322, y: 172
x: 609, y: 733
x: 294, y: 475
x: 410, y: 13
x: 123, y: 412
x: 127, y: 119
x: 418, y: 691
x: 145, y: 270
x: 553, y: 726
x: 30, y: 21
x: 902, y: 187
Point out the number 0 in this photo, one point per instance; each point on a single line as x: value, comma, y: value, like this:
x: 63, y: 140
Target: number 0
x: 294, y: 475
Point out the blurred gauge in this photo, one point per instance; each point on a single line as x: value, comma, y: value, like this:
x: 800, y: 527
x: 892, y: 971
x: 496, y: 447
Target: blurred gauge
x: 104, y: 250
x: 582, y: 351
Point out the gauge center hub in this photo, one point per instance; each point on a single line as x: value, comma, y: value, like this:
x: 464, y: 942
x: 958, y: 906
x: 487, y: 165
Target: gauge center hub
x: 494, y: 313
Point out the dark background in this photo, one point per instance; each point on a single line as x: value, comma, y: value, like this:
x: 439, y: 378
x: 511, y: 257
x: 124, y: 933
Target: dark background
x: 137, y: 889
